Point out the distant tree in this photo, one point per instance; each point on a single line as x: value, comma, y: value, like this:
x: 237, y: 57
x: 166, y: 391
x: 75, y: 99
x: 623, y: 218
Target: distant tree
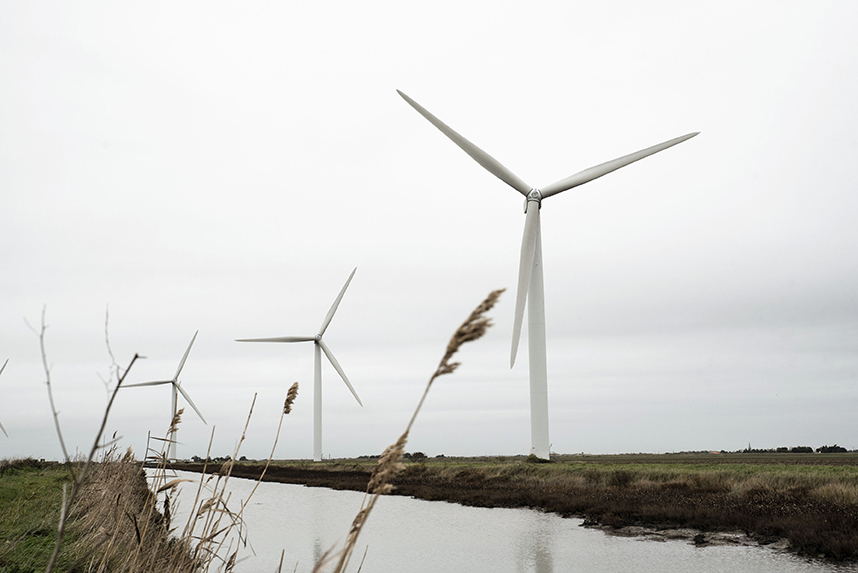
x: 801, y: 450
x: 242, y: 459
x: 418, y: 457
x: 835, y: 449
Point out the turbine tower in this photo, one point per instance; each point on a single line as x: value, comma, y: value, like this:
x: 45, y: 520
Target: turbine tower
x: 530, y: 263
x: 177, y: 387
x: 319, y: 346
x: 1, y: 372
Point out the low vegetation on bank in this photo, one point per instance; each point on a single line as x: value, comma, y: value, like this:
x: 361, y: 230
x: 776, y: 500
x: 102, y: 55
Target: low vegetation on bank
x: 113, y: 525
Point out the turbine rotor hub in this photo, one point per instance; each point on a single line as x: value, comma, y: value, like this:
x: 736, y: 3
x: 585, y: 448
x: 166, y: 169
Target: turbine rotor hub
x: 534, y: 196
x: 317, y: 338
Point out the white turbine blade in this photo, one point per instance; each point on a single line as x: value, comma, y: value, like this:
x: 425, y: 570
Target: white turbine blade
x: 491, y: 164
x: 191, y: 402
x: 604, y: 168
x: 185, y: 357
x: 158, y: 383
x: 339, y: 369
x: 4, y: 430
x: 525, y: 266
x: 279, y: 339
x: 336, y: 304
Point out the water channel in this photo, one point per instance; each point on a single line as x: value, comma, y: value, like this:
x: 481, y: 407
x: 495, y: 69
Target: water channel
x: 405, y: 534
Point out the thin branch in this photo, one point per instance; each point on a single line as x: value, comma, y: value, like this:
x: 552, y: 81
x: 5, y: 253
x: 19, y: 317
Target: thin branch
x: 114, y: 367
x: 41, y: 334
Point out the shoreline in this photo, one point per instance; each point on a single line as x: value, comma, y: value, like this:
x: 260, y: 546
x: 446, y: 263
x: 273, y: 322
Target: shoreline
x: 788, y: 518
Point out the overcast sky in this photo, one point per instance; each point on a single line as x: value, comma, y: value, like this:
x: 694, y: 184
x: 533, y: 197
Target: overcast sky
x: 224, y: 167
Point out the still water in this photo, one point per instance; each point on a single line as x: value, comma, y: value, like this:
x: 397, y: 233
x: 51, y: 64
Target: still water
x: 404, y: 534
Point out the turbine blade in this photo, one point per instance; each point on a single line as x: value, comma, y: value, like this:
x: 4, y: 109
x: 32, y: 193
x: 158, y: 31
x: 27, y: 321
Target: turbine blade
x: 185, y: 357
x: 525, y: 267
x: 4, y: 430
x: 279, y: 339
x: 491, y: 164
x: 339, y: 369
x: 604, y: 168
x: 191, y: 402
x: 336, y: 304
x: 158, y: 383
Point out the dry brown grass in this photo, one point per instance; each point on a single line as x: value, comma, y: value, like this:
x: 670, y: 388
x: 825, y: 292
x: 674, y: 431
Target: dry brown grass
x: 121, y: 528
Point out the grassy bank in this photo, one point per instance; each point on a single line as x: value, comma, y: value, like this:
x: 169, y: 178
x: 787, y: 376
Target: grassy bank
x: 113, y: 526
x: 811, y: 500
x: 30, y: 496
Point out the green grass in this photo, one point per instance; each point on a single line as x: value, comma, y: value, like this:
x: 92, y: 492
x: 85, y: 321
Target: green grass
x: 30, y: 497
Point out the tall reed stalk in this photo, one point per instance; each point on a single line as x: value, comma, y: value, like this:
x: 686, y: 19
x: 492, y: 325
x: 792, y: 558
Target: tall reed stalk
x: 389, y: 465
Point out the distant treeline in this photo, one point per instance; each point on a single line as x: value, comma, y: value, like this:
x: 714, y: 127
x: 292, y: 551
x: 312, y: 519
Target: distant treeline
x: 835, y: 449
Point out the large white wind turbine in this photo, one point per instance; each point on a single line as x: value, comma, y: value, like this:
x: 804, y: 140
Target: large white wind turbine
x: 1, y: 372
x: 530, y: 264
x: 319, y: 346
x: 177, y: 387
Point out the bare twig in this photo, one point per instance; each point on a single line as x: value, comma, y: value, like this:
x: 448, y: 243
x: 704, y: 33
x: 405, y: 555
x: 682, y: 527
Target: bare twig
x: 2, y: 368
x: 41, y: 334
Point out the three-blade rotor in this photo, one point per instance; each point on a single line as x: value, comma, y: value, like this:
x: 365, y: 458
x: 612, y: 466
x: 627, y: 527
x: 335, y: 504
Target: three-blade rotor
x: 317, y: 339
x: 177, y: 386
x: 534, y: 199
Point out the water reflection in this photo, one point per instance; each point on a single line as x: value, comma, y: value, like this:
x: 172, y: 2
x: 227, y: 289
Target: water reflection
x: 534, y: 546
x: 405, y: 534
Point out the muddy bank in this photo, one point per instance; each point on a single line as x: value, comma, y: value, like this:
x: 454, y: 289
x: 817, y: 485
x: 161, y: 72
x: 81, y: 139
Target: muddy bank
x: 811, y: 526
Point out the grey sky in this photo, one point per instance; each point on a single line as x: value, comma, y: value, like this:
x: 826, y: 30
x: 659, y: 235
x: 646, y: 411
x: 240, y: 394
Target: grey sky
x: 224, y: 168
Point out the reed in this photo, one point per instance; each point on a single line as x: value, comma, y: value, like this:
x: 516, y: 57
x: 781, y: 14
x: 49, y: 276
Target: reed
x: 389, y: 464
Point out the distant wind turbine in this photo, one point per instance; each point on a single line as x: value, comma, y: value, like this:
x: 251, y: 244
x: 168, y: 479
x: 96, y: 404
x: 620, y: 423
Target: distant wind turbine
x: 530, y: 262
x: 319, y: 346
x: 1, y: 372
x: 177, y: 387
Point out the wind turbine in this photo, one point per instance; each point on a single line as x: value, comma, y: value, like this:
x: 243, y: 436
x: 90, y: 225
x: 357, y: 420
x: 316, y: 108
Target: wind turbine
x: 177, y: 387
x: 319, y: 346
x: 1, y: 372
x: 530, y: 262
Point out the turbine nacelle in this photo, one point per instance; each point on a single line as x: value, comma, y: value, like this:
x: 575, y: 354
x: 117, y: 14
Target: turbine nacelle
x: 533, y: 196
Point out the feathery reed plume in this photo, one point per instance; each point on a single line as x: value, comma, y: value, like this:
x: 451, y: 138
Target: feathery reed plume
x: 389, y: 464
x: 174, y: 423
x: 290, y: 398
